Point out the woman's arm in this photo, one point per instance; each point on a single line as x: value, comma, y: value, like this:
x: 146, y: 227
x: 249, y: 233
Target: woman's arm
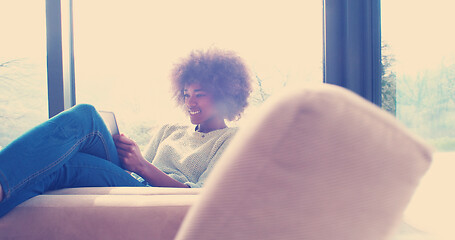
x: 132, y: 160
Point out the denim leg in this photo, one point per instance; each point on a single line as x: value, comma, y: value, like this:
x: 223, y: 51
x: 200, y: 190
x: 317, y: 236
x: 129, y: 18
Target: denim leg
x: 47, y: 147
x: 85, y: 170
x: 82, y: 170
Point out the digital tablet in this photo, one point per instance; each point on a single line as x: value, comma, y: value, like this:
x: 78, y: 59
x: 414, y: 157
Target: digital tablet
x: 110, y: 121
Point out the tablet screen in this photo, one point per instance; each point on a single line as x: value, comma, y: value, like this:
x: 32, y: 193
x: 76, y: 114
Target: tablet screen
x: 109, y: 120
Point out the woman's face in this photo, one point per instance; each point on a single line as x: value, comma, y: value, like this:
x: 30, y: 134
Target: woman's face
x: 202, y: 108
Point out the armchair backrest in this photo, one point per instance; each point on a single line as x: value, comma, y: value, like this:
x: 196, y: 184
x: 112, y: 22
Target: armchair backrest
x: 318, y: 163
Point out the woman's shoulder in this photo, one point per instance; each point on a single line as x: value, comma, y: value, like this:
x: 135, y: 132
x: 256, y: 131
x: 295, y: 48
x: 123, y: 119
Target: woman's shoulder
x: 168, y: 129
x: 231, y: 131
x: 225, y: 133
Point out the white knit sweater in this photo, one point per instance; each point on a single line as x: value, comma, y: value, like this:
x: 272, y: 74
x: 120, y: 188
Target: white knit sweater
x: 186, y: 155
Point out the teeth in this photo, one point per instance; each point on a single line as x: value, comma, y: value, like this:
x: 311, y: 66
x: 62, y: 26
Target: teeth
x: 194, y: 112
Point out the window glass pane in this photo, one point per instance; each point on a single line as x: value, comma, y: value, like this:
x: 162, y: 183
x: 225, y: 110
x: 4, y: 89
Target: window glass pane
x: 124, y: 51
x: 419, y: 63
x: 23, y: 85
x: 419, y: 59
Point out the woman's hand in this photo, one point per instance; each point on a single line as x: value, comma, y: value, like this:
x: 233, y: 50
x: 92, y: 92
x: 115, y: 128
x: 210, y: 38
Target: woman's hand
x: 132, y: 160
x: 129, y: 153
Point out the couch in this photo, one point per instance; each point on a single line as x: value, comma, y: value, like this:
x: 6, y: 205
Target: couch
x: 317, y: 162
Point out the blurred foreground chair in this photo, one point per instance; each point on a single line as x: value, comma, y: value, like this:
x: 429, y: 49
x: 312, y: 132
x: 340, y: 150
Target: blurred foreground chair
x: 317, y: 163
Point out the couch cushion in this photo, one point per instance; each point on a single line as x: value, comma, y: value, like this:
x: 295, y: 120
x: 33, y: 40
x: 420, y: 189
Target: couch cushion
x: 100, y: 213
x: 126, y: 191
x: 317, y: 163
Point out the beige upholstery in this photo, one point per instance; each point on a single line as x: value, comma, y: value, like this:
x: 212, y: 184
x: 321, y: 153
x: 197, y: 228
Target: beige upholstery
x: 100, y: 213
x: 319, y: 163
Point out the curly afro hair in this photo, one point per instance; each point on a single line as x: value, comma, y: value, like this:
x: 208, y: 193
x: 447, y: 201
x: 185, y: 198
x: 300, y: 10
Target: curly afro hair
x: 222, y: 73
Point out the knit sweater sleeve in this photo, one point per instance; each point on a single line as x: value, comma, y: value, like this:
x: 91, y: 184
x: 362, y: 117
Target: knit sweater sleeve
x: 152, y: 146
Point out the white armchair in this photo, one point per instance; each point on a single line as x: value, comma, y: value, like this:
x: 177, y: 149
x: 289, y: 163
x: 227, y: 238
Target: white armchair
x: 319, y: 163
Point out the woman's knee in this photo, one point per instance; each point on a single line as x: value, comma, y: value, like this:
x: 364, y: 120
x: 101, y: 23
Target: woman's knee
x: 83, y: 112
x: 84, y: 107
x: 76, y: 116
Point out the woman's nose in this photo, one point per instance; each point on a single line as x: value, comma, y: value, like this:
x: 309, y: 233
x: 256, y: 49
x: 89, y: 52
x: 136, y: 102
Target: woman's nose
x: 191, y: 102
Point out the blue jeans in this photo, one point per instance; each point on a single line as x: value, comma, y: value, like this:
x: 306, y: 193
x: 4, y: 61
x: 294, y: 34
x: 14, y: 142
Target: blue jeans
x: 72, y: 149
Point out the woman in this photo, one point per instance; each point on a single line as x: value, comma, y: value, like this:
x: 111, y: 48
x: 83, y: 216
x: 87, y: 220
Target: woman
x: 75, y: 148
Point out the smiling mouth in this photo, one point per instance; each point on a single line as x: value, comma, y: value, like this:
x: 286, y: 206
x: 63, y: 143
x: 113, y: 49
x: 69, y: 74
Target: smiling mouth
x: 194, y: 112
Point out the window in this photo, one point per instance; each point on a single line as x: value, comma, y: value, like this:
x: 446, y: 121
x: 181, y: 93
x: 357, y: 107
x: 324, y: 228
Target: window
x: 418, y: 86
x: 23, y: 92
x: 419, y: 67
x: 124, y: 51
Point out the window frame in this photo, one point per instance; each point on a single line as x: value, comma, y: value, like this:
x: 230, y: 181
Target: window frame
x: 60, y: 56
x: 352, y: 46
